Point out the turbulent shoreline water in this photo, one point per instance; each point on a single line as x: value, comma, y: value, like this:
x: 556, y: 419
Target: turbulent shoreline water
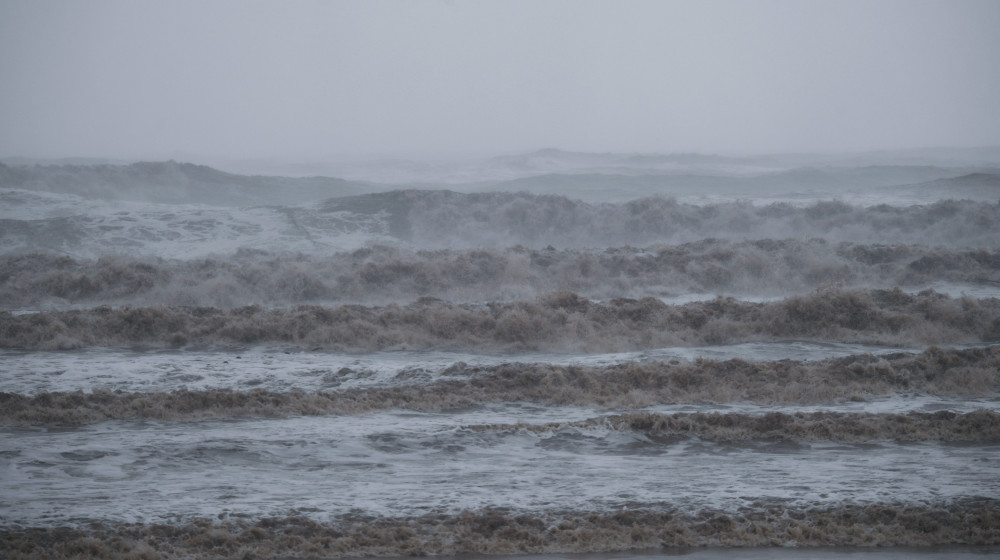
x: 969, y: 373
x: 502, y: 532
x: 423, y: 372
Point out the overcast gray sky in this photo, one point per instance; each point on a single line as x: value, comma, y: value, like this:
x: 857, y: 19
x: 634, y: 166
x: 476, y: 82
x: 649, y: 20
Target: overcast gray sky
x: 308, y: 79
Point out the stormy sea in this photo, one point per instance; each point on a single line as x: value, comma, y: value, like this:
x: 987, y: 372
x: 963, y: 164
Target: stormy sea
x: 545, y: 354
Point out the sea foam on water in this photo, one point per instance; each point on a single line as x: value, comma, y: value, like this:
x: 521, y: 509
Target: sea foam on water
x: 324, y: 368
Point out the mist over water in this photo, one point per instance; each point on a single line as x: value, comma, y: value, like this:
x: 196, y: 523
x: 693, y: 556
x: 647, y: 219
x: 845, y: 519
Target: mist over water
x: 538, y: 278
x: 559, y: 352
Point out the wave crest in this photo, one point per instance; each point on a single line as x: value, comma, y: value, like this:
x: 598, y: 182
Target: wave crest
x: 981, y: 425
x: 381, y: 274
x: 971, y: 372
x: 557, y: 321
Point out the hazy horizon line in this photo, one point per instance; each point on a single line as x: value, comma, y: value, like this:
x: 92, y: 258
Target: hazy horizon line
x: 190, y: 157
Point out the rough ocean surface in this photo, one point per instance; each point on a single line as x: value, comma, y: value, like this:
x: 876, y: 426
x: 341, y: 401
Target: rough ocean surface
x: 541, y: 354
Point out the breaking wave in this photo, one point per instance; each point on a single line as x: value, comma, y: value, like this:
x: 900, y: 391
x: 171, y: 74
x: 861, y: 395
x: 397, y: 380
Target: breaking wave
x: 499, y: 531
x: 451, y: 219
x: 554, y: 321
x: 383, y: 274
x: 982, y: 425
x: 969, y: 372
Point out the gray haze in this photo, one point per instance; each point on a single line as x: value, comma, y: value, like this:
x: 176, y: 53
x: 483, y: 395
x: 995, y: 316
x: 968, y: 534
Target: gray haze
x: 313, y: 79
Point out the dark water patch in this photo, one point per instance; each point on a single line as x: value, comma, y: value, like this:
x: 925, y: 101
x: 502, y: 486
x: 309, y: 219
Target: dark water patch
x: 85, y: 455
x: 971, y: 372
x: 553, y: 321
x: 499, y: 531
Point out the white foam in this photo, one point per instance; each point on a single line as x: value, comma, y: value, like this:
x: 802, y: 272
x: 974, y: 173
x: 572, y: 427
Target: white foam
x: 407, y: 464
x: 278, y: 369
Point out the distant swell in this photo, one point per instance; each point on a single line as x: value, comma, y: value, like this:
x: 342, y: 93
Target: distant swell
x: 559, y: 320
x: 497, y: 531
x: 971, y: 372
x: 382, y: 274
